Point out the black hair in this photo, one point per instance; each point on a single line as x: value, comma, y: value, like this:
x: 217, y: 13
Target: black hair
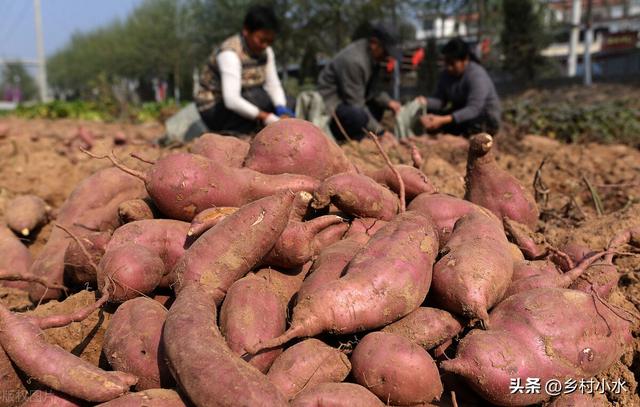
x: 260, y: 17
x: 457, y: 49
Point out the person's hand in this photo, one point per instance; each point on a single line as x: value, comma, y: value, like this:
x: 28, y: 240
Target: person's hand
x: 395, y: 106
x: 284, y: 111
x: 434, y: 121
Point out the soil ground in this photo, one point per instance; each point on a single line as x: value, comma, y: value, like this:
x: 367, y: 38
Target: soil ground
x: 41, y: 157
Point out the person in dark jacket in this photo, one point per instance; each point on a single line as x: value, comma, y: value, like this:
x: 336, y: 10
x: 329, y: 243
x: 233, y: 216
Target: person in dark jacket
x: 351, y: 84
x: 465, y: 101
x: 239, y: 87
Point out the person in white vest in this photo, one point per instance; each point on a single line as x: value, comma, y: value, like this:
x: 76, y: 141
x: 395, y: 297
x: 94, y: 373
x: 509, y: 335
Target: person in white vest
x: 240, y: 91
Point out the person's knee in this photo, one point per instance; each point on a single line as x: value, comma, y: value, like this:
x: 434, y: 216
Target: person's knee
x: 353, y: 119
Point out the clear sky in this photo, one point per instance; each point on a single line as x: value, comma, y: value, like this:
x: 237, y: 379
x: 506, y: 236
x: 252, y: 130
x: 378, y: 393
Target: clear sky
x: 60, y: 19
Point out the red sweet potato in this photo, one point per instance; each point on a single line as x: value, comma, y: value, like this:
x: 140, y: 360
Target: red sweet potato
x: 336, y: 395
x: 92, y: 206
x: 298, y: 147
x: 396, y: 370
x: 488, y: 185
x: 376, y: 289
x: 225, y: 150
x: 415, y: 182
x: 445, y: 210
x: 15, y: 259
x: 427, y: 327
x: 136, y: 209
x: 183, y: 185
x: 51, y: 365
x: 132, y: 342
x: 78, y: 270
x: 166, y: 238
x: 207, y: 219
x: 234, y: 246
x: 602, y: 276
x: 40, y: 398
x: 550, y: 334
x: 476, y: 268
x: 251, y: 312
x: 25, y: 214
x: 151, y: 397
x: 206, y: 370
x: 357, y: 195
x: 307, y: 364
x: 285, y: 283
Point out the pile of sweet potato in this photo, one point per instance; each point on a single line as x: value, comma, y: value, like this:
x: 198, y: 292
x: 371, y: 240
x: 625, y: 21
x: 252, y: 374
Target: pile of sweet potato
x: 275, y: 272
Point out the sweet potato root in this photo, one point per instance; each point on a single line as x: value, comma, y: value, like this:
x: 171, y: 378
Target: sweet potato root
x: 427, y: 327
x: 234, y: 246
x: 307, y: 364
x: 132, y: 342
x: 357, y: 195
x: 415, y: 182
x: 208, y: 372
x: 25, y: 214
x: 396, y: 370
x: 51, y: 365
x: 352, y: 303
x: 92, y: 206
x: 183, y: 185
x: 78, y: 268
x: 15, y: 259
x: 252, y: 311
x: 336, y: 395
x: 151, y: 397
x: 225, y: 150
x: 297, y: 147
x: 549, y: 333
x: 488, y: 185
x: 136, y: 209
x: 476, y: 269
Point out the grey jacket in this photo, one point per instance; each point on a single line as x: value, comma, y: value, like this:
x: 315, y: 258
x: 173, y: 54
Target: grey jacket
x: 467, y: 97
x: 353, y: 78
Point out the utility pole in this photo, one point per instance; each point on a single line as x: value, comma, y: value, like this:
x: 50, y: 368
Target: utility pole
x: 576, y: 10
x: 42, y: 65
x: 588, y: 39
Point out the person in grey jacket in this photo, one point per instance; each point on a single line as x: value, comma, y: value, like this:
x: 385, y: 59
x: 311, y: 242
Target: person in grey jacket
x: 351, y: 84
x: 465, y: 101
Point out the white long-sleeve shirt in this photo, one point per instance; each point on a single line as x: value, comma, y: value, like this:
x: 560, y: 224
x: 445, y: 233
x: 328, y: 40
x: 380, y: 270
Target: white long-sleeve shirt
x: 230, y: 76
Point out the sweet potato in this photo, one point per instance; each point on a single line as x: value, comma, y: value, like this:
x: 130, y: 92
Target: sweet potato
x: 307, y: 364
x: 336, y: 395
x: 549, y: 279
x: 549, y: 333
x: 25, y: 214
x: 40, y: 398
x: 285, y: 283
x: 415, y: 182
x: 602, y: 276
x: 151, y: 397
x: 92, y: 206
x: 136, y: 209
x: 15, y: 259
x: 252, y: 311
x: 401, y: 279
x: 488, y: 185
x: 12, y: 389
x: 357, y: 195
x: 207, y: 219
x: 301, y: 241
x: 78, y: 269
x: 396, y: 370
x: 225, y: 150
x: 132, y: 342
x: 166, y: 238
x: 51, y: 365
x: 445, y: 210
x: 234, y: 246
x: 298, y: 147
x: 208, y: 372
x: 183, y: 185
x: 427, y: 327
x: 476, y: 268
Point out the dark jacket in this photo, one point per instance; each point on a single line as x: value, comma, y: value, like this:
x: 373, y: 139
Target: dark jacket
x: 467, y: 97
x: 353, y: 78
